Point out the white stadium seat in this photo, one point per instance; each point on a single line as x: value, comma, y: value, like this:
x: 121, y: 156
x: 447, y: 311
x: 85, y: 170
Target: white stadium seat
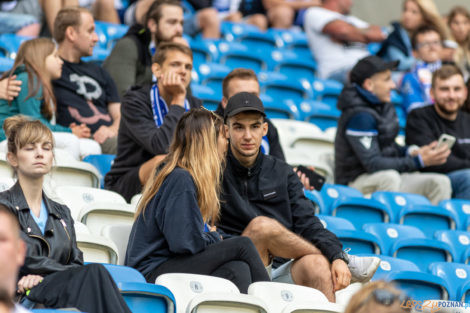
x: 119, y: 234
x: 97, y: 249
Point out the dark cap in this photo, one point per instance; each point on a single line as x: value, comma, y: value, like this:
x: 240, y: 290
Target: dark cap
x: 368, y: 66
x: 241, y: 102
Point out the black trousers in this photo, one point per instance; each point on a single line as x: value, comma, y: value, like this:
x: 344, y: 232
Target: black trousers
x: 235, y: 259
x: 89, y: 288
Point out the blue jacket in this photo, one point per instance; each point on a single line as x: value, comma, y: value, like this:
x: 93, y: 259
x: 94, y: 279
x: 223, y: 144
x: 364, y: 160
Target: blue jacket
x: 172, y: 225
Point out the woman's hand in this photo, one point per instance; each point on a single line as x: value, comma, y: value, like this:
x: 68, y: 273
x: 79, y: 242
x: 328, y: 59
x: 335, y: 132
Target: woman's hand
x: 27, y: 282
x: 81, y: 131
x: 9, y: 88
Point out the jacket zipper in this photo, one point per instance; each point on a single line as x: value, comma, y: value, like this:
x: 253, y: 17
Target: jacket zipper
x: 71, y: 243
x: 48, y: 246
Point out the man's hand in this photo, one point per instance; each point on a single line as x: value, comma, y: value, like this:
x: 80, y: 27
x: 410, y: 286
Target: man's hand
x: 9, y: 88
x: 174, y: 86
x: 81, y: 131
x: 304, y: 179
x: 340, y: 274
x: 432, y: 155
x: 27, y: 282
x: 374, y: 34
x: 103, y: 133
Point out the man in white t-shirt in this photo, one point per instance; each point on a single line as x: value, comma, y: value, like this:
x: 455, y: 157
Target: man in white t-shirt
x: 336, y: 39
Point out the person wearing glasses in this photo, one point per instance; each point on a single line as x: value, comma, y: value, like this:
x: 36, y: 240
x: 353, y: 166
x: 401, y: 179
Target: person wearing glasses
x: 378, y: 297
x: 416, y: 84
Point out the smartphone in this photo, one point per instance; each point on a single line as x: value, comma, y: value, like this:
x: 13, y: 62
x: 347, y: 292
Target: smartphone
x: 316, y: 180
x: 447, y: 140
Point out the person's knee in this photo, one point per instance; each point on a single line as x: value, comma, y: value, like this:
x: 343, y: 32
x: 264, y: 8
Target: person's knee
x: 390, y: 180
x: 258, y: 20
x: 441, y: 183
x: 281, y: 16
x: 262, y: 227
x: 208, y: 16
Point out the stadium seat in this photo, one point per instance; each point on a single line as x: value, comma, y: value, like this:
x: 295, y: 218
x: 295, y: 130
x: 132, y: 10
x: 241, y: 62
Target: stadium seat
x: 279, y: 88
x: 102, y: 162
x: 330, y: 193
x: 204, y: 51
x: 455, y: 274
x: 234, y: 55
x: 357, y: 241
x: 262, y: 42
x: 327, y: 91
x: 5, y: 64
x: 70, y: 172
x: 293, y: 65
x: 278, y: 109
x: 231, y: 31
x: 390, y: 264
x: 10, y: 43
x: 97, y: 249
x: 287, y: 298
x: 420, y: 286
x: 461, y: 208
x: 320, y: 114
x: 299, y: 45
x: 96, y: 215
x: 98, y: 56
x: 212, y: 75
x: 135, y: 199
x: 53, y: 311
x: 6, y: 183
x: 428, y: 218
x: 315, y: 197
x: 300, y: 156
x: 119, y: 234
x: 138, y: 294
x: 360, y: 210
x: 458, y: 240
x: 209, y: 97
x: 109, y: 33
x: 77, y: 198
x: 396, y: 201
x: 201, y: 293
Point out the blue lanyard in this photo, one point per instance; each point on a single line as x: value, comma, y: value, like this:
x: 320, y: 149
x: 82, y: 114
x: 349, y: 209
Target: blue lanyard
x: 159, y: 106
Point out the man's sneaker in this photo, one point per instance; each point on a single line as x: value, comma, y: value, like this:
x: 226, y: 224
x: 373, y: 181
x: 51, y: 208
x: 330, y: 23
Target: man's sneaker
x: 362, y: 268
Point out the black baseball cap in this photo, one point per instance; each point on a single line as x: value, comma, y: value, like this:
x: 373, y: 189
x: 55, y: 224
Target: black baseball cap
x: 241, y: 102
x: 368, y: 66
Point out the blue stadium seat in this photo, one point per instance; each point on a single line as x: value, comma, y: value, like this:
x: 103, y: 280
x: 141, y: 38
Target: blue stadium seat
x: 316, y: 198
x: 294, y: 66
x: 278, y: 109
x: 465, y: 292
x: 109, y: 33
x: 124, y: 274
x: 428, y: 218
x: 458, y: 240
x: 420, y: 286
x: 204, y: 51
x: 359, y: 211
x: 374, y: 47
x: 357, y: 241
x: 102, y: 162
x: 209, y: 97
x: 396, y: 201
x: 6, y: 64
x: 330, y: 193
x: 319, y: 113
x: 231, y: 31
x: 299, y: 45
x: 212, y: 75
x: 455, y: 274
x: 461, y: 208
x: 390, y: 264
x: 51, y: 311
x: 263, y: 42
x: 234, y: 55
x: 327, y: 91
x: 284, y: 89
x: 410, y: 243
x: 10, y: 43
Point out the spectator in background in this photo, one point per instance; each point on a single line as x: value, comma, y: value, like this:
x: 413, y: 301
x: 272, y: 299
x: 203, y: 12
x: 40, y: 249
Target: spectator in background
x: 205, y: 20
x: 242, y: 79
x: 103, y: 10
x: 11, y: 259
x: 130, y: 61
x: 149, y: 117
x: 85, y: 93
x: 186, y: 192
x: 378, y: 297
x: 53, y: 273
x: 282, y: 13
x: 415, y: 14
x: 416, y: 84
x: 426, y: 125
x: 338, y: 40
x: 466, y: 105
x: 459, y: 25
x: 367, y: 157
x: 36, y: 64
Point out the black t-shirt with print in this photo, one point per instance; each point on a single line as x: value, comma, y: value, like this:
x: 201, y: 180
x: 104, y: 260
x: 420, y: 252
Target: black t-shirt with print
x: 83, y: 93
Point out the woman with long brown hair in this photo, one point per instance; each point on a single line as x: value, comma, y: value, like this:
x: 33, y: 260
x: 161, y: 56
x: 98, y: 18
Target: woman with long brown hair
x: 459, y: 25
x: 36, y: 65
x: 174, y: 228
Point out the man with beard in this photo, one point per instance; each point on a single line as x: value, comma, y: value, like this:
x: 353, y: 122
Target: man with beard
x: 427, y: 124
x: 129, y: 63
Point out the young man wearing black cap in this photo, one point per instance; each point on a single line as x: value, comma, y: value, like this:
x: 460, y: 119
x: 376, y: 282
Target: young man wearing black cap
x: 366, y: 155
x: 263, y: 199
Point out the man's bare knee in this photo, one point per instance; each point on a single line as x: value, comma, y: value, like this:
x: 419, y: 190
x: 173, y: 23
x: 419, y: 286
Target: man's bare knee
x: 262, y: 227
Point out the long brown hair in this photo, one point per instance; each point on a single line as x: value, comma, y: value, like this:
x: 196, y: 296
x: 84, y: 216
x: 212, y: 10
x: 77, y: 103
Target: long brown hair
x: 431, y: 16
x: 32, y: 54
x: 194, y: 148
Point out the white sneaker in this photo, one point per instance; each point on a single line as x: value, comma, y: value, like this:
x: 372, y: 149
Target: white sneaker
x: 362, y: 268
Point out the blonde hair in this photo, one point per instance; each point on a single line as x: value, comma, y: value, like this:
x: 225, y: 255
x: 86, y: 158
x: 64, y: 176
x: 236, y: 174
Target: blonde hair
x: 32, y: 54
x: 431, y: 16
x: 359, y: 303
x: 21, y: 131
x: 194, y: 148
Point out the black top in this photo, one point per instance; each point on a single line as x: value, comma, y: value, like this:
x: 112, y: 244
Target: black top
x: 83, y: 93
x: 172, y: 225
x: 271, y: 188
x: 54, y: 251
x: 139, y: 139
x: 272, y: 136
x: 425, y: 125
